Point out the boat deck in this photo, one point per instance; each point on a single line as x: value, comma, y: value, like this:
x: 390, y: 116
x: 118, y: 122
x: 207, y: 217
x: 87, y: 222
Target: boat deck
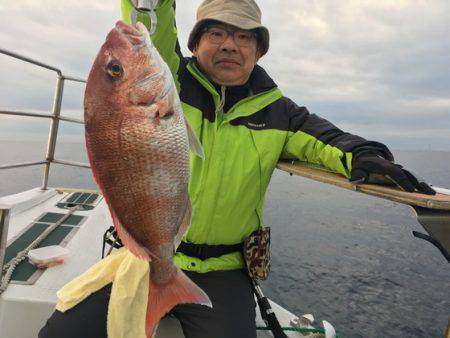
x: 36, y: 300
x: 33, y: 300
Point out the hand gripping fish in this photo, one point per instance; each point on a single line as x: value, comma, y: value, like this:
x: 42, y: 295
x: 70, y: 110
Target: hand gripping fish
x: 138, y: 141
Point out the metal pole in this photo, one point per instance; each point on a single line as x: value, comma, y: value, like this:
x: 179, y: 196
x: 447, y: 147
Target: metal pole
x: 19, y: 113
x: 76, y: 79
x: 53, y: 133
x: 4, y: 222
x: 71, y: 119
x: 26, y: 59
x: 72, y: 163
x: 20, y: 165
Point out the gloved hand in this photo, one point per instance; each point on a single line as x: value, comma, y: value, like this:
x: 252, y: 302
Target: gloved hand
x: 376, y: 169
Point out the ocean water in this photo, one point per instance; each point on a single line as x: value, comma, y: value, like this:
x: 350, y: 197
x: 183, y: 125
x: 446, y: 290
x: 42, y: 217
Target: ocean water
x: 343, y: 256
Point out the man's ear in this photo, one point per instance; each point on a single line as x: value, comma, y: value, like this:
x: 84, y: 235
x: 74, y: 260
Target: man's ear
x: 257, y: 56
x: 195, y: 50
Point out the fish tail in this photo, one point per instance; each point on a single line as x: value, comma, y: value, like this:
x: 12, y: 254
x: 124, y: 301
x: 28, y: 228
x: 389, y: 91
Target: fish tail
x: 162, y: 298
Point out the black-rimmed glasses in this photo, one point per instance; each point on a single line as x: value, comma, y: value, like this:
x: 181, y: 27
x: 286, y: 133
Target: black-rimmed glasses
x: 218, y: 35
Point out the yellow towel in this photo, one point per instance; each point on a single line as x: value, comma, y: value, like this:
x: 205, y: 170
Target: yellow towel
x: 128, y: 301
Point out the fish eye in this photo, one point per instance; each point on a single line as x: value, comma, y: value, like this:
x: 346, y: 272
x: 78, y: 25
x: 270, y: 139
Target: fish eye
x: 114, y: 70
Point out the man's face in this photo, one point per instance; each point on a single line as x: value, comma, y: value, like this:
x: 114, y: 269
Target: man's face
x: 228, y: 62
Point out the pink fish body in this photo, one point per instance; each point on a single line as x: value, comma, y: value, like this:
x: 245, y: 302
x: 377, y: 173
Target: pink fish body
x: 138, y: 146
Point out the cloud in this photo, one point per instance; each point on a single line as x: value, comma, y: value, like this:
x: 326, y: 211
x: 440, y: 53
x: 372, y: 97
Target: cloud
x: 381, y: 63
x: 381, y: 66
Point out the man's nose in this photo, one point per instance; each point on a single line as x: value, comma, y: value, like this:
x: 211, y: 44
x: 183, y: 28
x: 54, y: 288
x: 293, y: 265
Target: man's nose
x: 229, y: 44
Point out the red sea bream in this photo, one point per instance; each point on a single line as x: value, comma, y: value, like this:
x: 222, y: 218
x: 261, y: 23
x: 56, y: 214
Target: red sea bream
x: 138, y: 145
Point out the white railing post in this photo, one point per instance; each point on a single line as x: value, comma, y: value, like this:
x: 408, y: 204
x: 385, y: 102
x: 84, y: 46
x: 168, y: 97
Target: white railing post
x: 53, y: 132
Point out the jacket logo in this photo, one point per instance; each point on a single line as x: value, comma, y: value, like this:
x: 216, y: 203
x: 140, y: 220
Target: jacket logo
x: 256, y: 125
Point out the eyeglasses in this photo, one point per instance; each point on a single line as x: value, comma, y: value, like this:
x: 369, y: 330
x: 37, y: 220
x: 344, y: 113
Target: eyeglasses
x: 218, y: 35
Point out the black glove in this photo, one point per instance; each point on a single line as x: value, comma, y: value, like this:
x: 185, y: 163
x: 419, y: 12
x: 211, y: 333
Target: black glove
x: 375, y: 169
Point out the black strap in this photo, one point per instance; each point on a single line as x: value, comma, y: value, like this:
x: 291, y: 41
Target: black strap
x: 202, y: 251
x: 433, y: 241
x: 205, y: 251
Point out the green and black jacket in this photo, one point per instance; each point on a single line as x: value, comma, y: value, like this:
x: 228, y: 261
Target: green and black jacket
x: 242, y: 146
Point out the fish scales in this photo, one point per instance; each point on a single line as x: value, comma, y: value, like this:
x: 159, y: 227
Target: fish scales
x: 138, y: 142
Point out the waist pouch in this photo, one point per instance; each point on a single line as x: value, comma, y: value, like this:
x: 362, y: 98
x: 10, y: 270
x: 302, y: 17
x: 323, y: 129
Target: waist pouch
x: 256, y: 252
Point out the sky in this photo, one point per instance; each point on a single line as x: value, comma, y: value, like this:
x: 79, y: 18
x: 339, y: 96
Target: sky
x: 376, y: 68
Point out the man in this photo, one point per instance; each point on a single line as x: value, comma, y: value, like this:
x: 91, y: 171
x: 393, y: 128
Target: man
x: 245, y: 125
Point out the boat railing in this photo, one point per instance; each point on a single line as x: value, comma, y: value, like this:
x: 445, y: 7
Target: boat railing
x: 55, y: 117
x: 4, y: 222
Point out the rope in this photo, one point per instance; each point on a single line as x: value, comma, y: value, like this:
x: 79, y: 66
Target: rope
x: 10, y: 267
x: 222, y: 99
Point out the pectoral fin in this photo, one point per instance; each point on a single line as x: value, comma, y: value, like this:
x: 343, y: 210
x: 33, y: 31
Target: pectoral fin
x: 184, y: 223
x: 194, y: 142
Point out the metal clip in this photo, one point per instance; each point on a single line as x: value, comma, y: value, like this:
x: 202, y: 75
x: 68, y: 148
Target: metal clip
x: 146, y: 7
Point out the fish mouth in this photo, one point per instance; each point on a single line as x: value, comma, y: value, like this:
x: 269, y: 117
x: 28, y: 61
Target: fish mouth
x: 140, y: 27
x: 136, y: 36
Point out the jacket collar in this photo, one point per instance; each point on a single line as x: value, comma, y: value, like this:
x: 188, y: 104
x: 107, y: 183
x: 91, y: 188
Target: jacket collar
x: 260, y: 81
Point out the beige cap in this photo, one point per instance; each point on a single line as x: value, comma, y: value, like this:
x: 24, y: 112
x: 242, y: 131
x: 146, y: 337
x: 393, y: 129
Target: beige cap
x: 244, y: 14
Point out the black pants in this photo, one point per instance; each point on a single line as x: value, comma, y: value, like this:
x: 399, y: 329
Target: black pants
x: 232, y: 316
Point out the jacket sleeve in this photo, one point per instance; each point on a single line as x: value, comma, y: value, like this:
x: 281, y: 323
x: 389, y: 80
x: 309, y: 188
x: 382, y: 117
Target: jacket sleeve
x: 165, y: 37
x: 316, y: 140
